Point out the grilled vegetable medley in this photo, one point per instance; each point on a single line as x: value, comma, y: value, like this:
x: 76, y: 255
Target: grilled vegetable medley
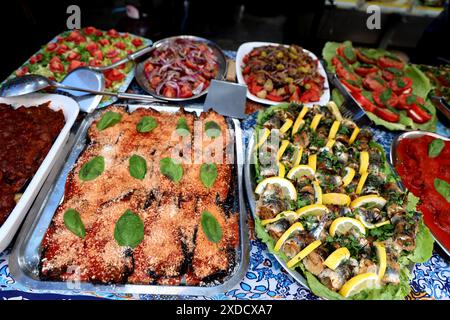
x: 328, y: 205
x: 280, y: 73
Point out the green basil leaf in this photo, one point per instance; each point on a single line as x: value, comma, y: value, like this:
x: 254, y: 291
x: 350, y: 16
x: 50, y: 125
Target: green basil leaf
x: 182, y: 127
x: 212, y: 129
x: 349, y: 53
x: 129, y: 230
x: 208, y: 174
x: 385, y: 96
x: 146, y: 124
x: 435, y: 148
x: 172, y: 170
x: 211, y: 227
x: 443, y: 187
x: 108, y: 119
x: 72, y: 221
x: 411, y: 99
x: 401, y: 83
x: 92, y: 169
x: 137, y: 167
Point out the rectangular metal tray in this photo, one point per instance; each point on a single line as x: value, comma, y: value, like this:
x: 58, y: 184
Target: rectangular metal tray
x: 25, y: 257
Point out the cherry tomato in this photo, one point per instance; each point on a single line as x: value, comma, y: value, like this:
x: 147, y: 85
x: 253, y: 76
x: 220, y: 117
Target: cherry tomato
x: 90, y: 30
x: 92, y: 46
x: 36, y: 58
x: 113, y: 33
x: 114, y: 60
x: 114, y: 75
x: 120, y: 45
x: 104, y: 42
x: 75, y: 64
x: 185, y: 91
x: 95, y: 63
x: 55, y: 65
x: 137, y: 42
x: 62, y: 49
x: 22, y: 71
x: 112, y: 54
x: 400, y: 84
x: 73, y: 56
x: 51, y: 47
x: 97, y: 54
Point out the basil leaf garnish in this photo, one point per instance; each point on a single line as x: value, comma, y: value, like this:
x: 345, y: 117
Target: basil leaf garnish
x: 411, y: 99
x: 212, y: 129
x: 211, y: 227
x: 129, y: 230
x: 73, y: 222
x: 146, y: 124
x: 208, y: 174
x: 108, y: 119
x: 92, y: 169
x: 172, y: 170
x: 385, y: 96
x: 435, y: 148
x: 443, y: 187
x: 137, y: 167
x: 182, y: 127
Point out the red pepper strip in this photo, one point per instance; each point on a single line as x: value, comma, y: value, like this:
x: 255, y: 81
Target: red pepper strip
x: 364, y: 102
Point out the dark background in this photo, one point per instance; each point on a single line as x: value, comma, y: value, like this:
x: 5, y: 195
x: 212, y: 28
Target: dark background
x: 27, y: 25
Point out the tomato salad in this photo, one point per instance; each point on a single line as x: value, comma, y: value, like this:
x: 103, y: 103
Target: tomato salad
x: 283, y: 73
x: 181, y: 68
x: 86, y: 47
x: 379, y: 83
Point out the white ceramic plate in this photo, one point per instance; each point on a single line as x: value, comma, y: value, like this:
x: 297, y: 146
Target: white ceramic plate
x: 70, y: 109
x: 249, y: 46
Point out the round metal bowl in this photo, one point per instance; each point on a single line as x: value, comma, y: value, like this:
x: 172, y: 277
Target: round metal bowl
x: 144, y: 82
x: 393, y: 158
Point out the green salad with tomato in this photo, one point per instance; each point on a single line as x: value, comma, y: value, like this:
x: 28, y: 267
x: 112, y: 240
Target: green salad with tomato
x: 393, y: 93
x: 87, y: 47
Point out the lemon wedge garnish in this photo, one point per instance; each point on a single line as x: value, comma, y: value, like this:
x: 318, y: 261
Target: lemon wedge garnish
x: 363, y: 162
x: 339, y: 199
x: 348, y: 177
x: 382, y: 260
x: 300, y: 171
x: 315, y: 122
x: 263, y: 137
x: 334, y: 110
x: 295, y: 227
x: 317, y: 192
x: 334, y: 129
x: 344, y: 224
x: 289, y: 215
x: 285, y: 184
x: 286, y: 126
x: 337, y: 257
x: 369, y: 200
x: 282, y: 149
x: 299, y: 122
x: 312, y: 161
x: 312, y: 209
x: 369, y: 225
x: 358, y: 283
x: 354, y: 135
x: 330, y: 143
x: 299, y: 256
x: 281, y: 170
x: 361, y: 182
x: 298, y: 156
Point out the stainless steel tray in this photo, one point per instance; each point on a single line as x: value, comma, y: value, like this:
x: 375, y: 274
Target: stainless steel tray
x: 393, y: 158
x: 249, y: 177
x: 25, y: 257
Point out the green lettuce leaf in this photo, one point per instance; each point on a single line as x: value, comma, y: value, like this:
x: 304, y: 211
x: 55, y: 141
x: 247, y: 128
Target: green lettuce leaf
x: 328, y: 52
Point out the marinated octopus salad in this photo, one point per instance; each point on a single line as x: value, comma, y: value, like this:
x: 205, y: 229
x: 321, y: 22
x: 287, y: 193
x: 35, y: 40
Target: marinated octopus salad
x: 328, y: 204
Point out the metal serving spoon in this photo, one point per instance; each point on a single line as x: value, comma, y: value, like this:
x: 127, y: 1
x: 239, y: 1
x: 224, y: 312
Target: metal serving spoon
x: 32, y: 83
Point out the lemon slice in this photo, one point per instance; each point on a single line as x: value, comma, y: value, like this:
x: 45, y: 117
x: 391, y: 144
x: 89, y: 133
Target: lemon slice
x: 263, y: 137
x: 370, y: 200
x: 358, y: 283
x: 309, y: 248
x: 344, y: 224
x: 334, y: 129
x: 313, y: 210
x: 298, y: 156
x: 363, y: 162
x: 354, y: 135
x: 282, y: 149
x: 348, y: 177
x: 295, y: 227
x: 317, y: 192
x: 339, y: 199
x: 281, y: 170
x: 286, y: 126
x: 369, y: 225
x: 299, y: 171
x: 299, y: 122
x: 290, y: 215
x: 382, y: 259
x: 312, y: 161
x: 337, y: 257
x: 282, y: 182
x: 330, y: 143
x: 361, y: 182
x: 315, y: 122
x: 334, y: 110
